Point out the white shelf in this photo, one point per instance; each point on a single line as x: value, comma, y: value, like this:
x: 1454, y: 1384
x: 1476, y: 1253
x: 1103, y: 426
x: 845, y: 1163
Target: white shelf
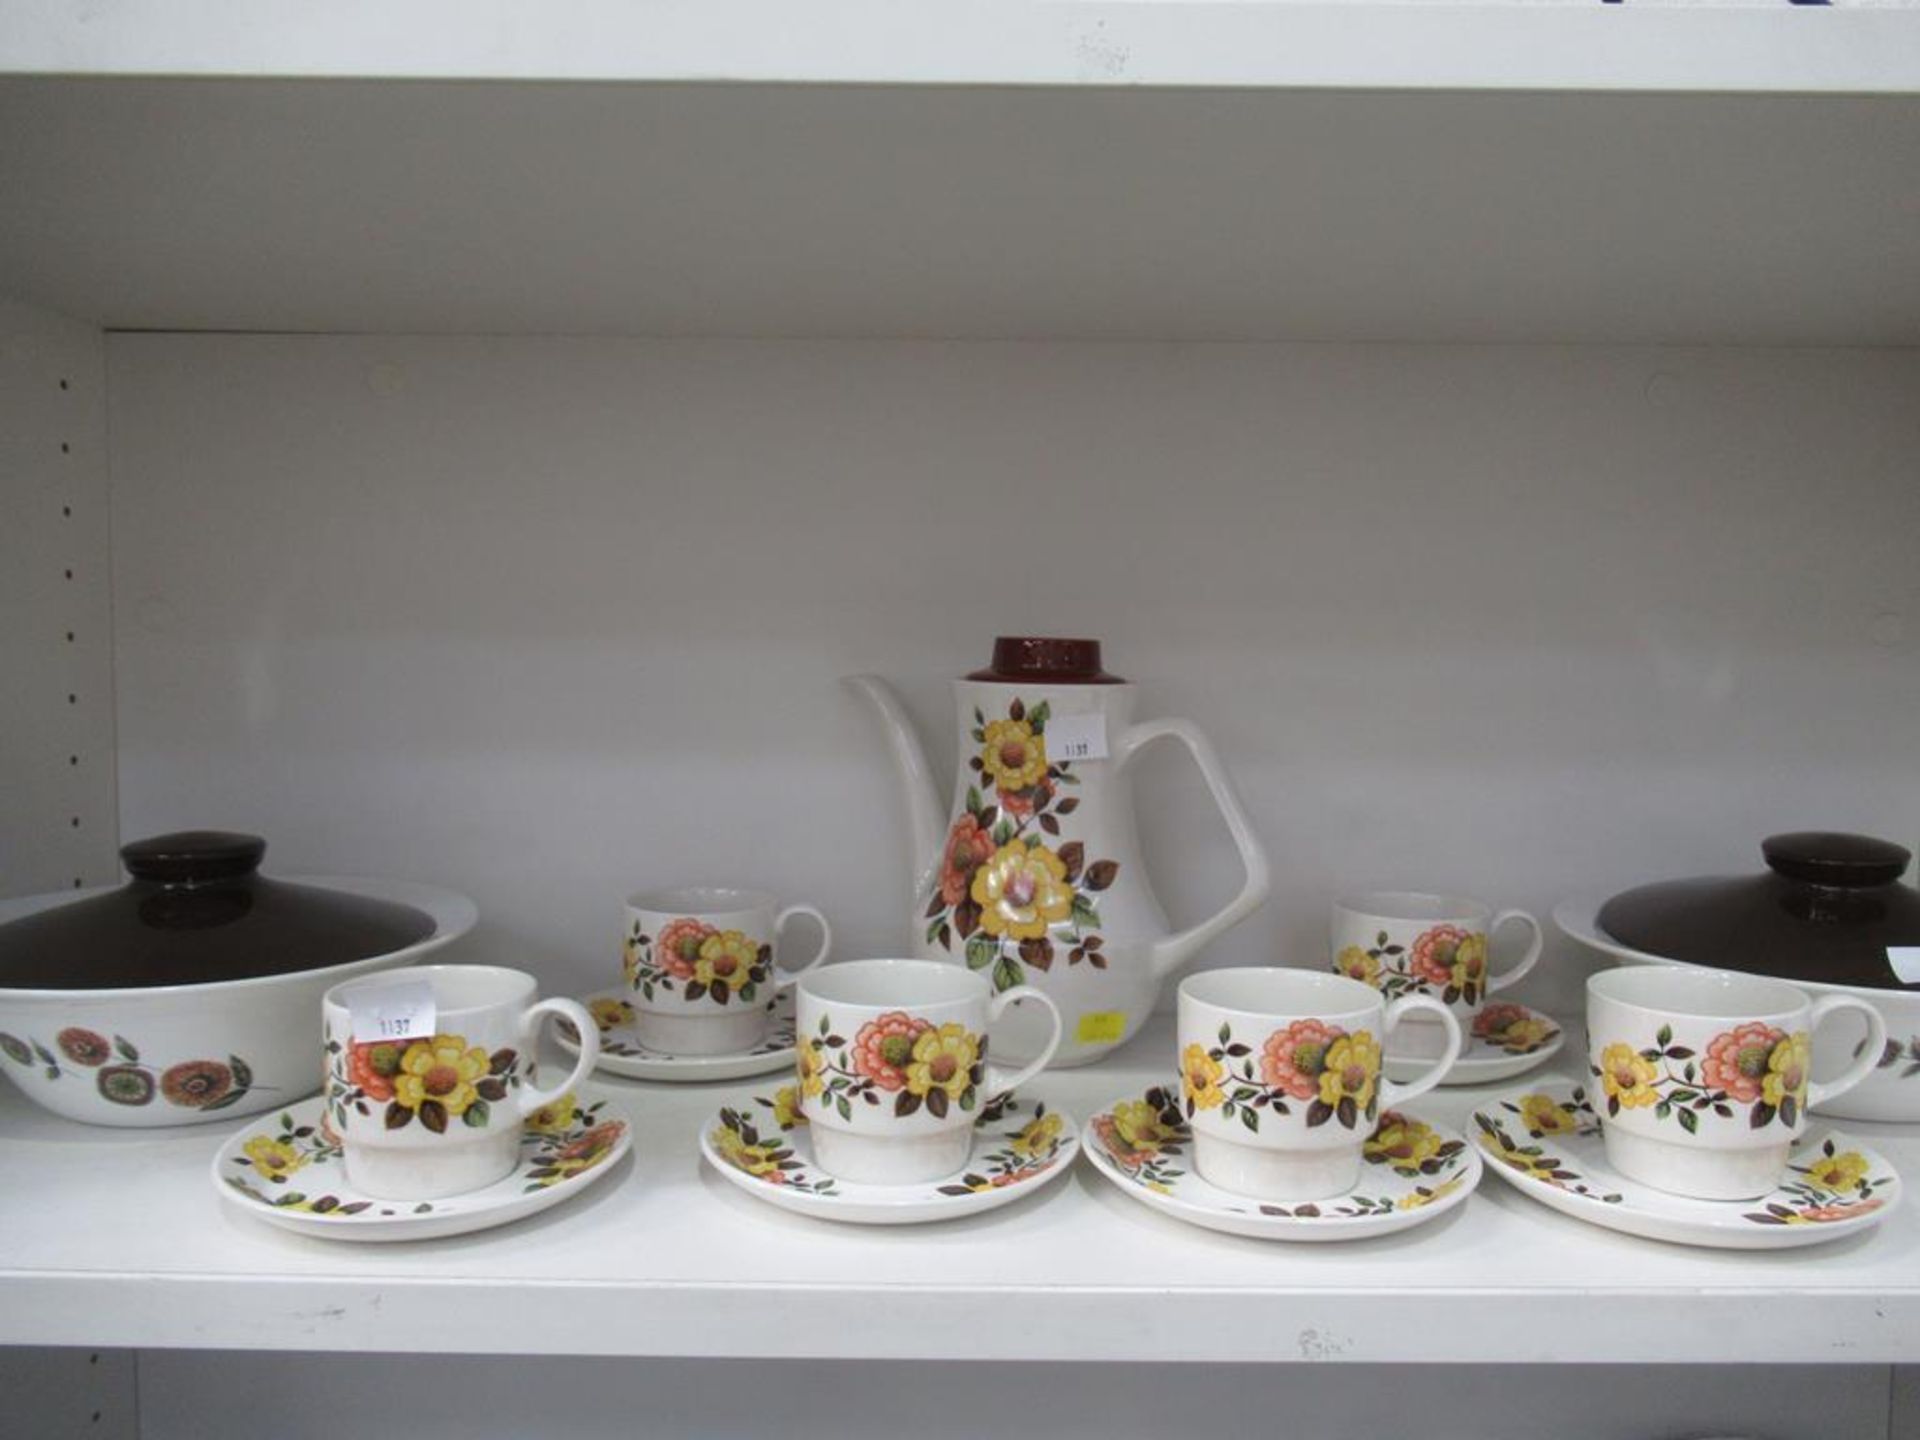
x: 1148, y: 170
x: 118, y: 1239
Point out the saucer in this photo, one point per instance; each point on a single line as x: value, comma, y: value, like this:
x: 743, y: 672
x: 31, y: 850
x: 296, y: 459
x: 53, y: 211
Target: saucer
x: 621, y: 1052
x: 289, y: 1172
x: 1545, y: 1141
x: 1140, y: 1144
x: 762, y: 1146
x: 1508, y: 1039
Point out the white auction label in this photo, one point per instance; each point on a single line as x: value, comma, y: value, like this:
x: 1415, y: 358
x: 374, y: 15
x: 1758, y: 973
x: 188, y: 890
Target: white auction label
x: 1905, y: 960
x: 1077, y: 737
x: 403, y: 1010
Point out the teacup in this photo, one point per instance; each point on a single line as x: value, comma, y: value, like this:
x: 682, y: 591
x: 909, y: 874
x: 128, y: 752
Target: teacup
x: 1407, y: 943
x: 700, y: 962
x: 430, y: 1075
x: 1702, y: 1078
x: 1280, y: 1074
x: 892, y: 1065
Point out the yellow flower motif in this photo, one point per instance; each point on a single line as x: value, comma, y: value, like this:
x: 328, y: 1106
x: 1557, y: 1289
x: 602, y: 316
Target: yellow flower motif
x: 1416, y: 1200
x: 755, y: 1160
x: 610, y: 1014
x: 1021, y: 891
x: 1628, y: 1076
x: 630, y: 964
x: 1470, y: 960
x: 726, y: 960
x: 1353, y: 1071
x: 1787, y: 1071
x: 1357, y: 964
x: 1039, y: 1135
x: 1200, y: 1076
x: 554, y: 1116
x: 1139, y: 1124
x: 273, y: 1159
x: 1402, y: 1142
x: 1523, y: 1036
x: 943, y: 1059
x: 809, y: 1070
x: 444, y: 1069
x: 1831, y: 1172
x: 1013, y: 756
x: 786, y: 1107
x: 1543, y: 1115
x: 1159, y: 1187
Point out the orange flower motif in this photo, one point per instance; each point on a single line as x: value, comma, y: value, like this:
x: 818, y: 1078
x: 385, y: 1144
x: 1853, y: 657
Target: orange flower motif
x: 372, y: 1064
x: 676, y: 949
x: 884, y: 1048
x: 968, y: 847
x: 1736, y: 1062
x: 1293, y: 1059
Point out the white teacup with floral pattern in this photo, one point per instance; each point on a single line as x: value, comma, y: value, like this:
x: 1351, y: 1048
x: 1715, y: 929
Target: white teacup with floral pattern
x: 1702, y: 1077
x: 891, y: 1060
x: 1280, y: 1076
x: 442, y: 1114
x: 700, y: 960
x: 1404, y: 942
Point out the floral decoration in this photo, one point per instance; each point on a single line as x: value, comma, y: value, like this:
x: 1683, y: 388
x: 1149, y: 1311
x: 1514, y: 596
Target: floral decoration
x: 1514, y: 1028
x: 695, y: 961
x: 1335, y: 1072
x: 1896, y: 1052
x: 436, y: 1080
x: 190, y: 1084
x: 574, y: 1141
x: 1146, y: 1140
x: 1447, y: 961
x: 1539, y: 1116
x: 1012, y: 891
x: 738, y: 1142
x: 910, y: 1058
x: 1753, y: 1065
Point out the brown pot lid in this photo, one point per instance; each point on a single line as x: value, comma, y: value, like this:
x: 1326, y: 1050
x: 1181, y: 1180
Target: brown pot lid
x: 1045, y: 660
x: 198, y: 911
x: 1827, y: 909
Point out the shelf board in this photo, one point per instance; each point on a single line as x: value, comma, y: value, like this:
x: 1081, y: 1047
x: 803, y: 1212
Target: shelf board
x: 970, y: 212
x: 115, y: 1238
x: 1573, y: 44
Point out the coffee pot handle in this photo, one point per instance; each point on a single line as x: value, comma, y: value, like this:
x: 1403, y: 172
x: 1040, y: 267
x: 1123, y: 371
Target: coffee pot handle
x: 1168, y: 954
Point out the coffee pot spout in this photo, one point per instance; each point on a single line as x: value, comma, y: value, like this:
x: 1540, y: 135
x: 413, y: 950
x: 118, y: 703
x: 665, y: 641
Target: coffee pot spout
x: 926, y: 816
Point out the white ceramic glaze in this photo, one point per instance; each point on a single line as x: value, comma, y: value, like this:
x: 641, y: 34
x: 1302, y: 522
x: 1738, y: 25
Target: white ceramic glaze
x: 1544, y: 1140
x: 892, y: 1065
x: 701, y: 964
x: 1890, y: 1092
x: 1508, y: 1039
x: 1092, y: 934
x: 191, y: 1054
x: 621, y: 1052
x: 1014, y: 1150
x: 1415, y: 1170
x: 289, y: 1172
x: 1406, y: 942
x: 442, y: 1113
x: 1281, y: 1076
x: 1702, y: 1078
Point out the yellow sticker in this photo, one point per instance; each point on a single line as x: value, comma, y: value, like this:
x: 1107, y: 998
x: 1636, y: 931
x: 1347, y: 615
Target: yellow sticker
x: 1100, y: 1025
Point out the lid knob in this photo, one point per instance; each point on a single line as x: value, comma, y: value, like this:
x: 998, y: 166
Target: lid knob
x: 1842, y: 862
x: 193, y: 857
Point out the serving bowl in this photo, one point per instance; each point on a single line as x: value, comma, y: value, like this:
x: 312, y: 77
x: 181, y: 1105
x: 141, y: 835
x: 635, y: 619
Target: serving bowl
x: 183, y: 1054
x: 1890, y: 1092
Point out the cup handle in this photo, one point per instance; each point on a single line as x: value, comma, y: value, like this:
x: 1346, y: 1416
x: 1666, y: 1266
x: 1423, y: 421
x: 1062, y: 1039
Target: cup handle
x: 783, y: 978
x: 1864, y: 1064
x: 1527, y: 961
x: 1393, y: 1092
x: 532, y: 1099
x: 999, y: 1082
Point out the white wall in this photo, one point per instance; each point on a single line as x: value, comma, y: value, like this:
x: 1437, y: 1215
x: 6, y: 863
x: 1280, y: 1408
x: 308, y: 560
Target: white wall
x: 546, y: 619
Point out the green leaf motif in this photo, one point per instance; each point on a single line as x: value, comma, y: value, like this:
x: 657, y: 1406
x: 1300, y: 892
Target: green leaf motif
x: 982, y: 951
x: 477, y: 1114
x: 1007, y: 973
x: 125, y: 1048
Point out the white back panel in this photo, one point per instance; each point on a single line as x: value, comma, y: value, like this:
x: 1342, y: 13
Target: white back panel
x: 550, y: 619
x: 56, y: 644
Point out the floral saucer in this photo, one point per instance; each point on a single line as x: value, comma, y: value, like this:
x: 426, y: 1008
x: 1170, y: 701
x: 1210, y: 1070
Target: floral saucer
x: 1507, y: 1039
x: 1545, y: 1141
x: 621, y: 1052
x: 761, y: 1145
x: 289, y: 1171
x: 1414, y: 1170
